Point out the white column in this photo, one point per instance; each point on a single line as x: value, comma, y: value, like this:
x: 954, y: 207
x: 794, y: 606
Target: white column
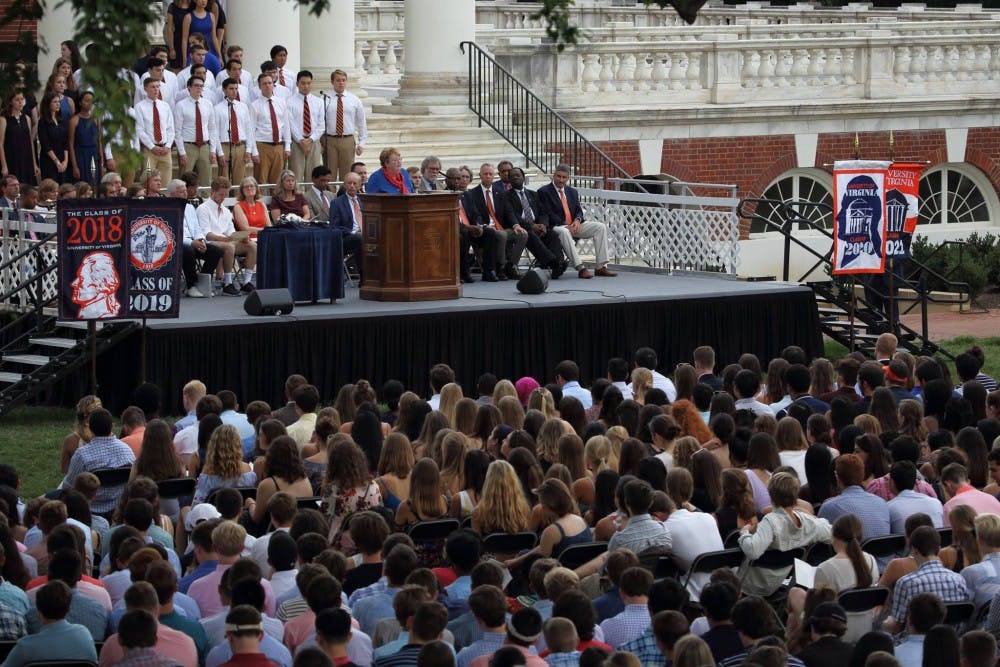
x: 435, y: 79
x: 257, y: 25
x: 328, y: 43
x: 55, y: 26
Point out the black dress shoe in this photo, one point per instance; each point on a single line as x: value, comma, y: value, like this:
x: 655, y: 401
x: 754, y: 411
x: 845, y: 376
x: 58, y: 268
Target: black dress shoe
x: 489, y: 277
x: 511, y: 272
x: 559, y: 268
x: 501, y: 276
x: 467, y: 278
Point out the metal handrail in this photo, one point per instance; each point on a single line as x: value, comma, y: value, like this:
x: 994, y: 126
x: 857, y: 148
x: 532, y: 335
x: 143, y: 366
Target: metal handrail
x: 535, y: 129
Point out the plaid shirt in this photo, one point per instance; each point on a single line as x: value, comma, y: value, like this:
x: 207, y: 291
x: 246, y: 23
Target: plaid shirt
x: 379, y: 587
x: 880, y: 487
x: 645, y: 649
x: 983, y: 579
x: 737, y: 660
x: 930, y: 577
x: 102, y: 452
x: 145, y: 657
x: 872, y: 511
x: 570, y: 659
x: 12, y: 624
x: 640, y: 533
x: 626, y: 626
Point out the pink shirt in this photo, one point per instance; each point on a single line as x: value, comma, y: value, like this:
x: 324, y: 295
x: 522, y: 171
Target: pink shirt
x: 170, y: 643
x: 530, y: 660
x: 880, y: 487
x: 979, y: 501
x: 92, y: 591
x: 205, y: 592
x: 298, y: 629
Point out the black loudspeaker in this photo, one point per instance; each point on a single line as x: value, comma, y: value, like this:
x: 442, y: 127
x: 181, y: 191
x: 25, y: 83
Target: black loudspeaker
x: 534, y: 281
x: 269, y: 302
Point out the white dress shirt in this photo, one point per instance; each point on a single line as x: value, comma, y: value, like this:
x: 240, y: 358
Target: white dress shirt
x: 215, y: 219
x: 192, y: 228
x: 244, y: 125
x: 354, y: 116
x: 289, y: 76
x: 261, y: 116
x: 280, y: 92
x: 168, y: 89
x: 185, y: 74
x: 245, y: 79
x: 184, y: 123
x: 296, y: 115
x: 144, y: 123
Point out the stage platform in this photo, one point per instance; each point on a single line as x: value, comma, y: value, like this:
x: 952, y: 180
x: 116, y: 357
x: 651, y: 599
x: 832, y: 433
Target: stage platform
x: 491, y: 328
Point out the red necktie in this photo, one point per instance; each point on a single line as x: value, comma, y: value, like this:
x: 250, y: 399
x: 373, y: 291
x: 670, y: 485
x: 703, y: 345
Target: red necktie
x: 307, y: 124
x: 199, y: 138
x: 234, y: 127
x: 565, y: 204
x: 274, y: 120
x: 157, y: 131
x: 462, y: 216
x: 357, y: 210
x: 489, y: 205
x: 340, y: 114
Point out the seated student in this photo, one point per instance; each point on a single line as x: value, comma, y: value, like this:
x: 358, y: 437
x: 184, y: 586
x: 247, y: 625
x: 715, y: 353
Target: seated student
x: 827, y: 625
x: 404, y: 605
x: 137, y: 635
x: 228, y: 539
x: 246, y: 642
x: 55, y: 638
x: 322, y: 593
x: 464, y: 628
x: 630, y: 623
x: 428, y: 624
x: 137, y: 566
x: 333, y: 634
x: 523, y: 629
x: 925, y: 611
x: 560, y: 636
x: 164, y: 580
x: 610, y: 603
x: 368, y: 531
x: 201, y: 545
x: 67, y: 566
x: 170, y: 643
x: 245, y: 590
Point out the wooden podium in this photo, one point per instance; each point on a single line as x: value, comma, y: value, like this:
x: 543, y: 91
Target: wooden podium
x: 410, y: 247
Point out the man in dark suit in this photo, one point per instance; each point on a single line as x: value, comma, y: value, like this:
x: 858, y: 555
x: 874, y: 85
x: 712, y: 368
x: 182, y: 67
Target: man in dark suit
x: 561, y: 203
x: 502, y: 184
x: 471, y: 231
x: 491, y: 208
x: 318, y: 197
x: 11, y: 189
x: 345, y: 213
x: 523, y: 210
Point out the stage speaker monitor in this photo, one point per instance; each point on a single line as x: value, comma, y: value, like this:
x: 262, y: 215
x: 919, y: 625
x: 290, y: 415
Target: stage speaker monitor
x: 534, y: 281
x: 269, y: 302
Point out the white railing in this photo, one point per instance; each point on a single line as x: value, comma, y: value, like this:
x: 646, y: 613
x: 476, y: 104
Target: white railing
x: 17, y: 235
x: 727, y: 70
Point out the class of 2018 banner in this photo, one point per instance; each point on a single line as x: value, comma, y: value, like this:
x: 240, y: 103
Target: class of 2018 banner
x: 859, y: 216
x: 902, y: 185
x: 119, y: 258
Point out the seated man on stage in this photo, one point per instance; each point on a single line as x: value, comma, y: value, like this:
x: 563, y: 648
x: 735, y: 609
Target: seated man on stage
x: 195, y: 245
x: 345, y: 213
x: 562, y: 205
x: 216, y: 222
x: 318, y: 196
x: 471, y: 231
x: 523, y: 210
x: 492, y: 208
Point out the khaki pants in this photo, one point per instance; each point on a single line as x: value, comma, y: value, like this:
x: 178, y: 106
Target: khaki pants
x: 272, y: 161
x: 163, y: 163
x: 339, y: 154
x: 198, y: 162
x: 303, y: 164
x: 236, y: 161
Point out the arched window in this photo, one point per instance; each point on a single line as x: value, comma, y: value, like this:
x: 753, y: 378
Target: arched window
x: 956, y: 193
x: 814, y: 185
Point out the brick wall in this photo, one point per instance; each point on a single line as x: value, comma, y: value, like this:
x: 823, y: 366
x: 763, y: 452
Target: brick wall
x: 11, y: 32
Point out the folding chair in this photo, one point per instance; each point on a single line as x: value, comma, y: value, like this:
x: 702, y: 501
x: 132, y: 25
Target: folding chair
x: 819, y: 552
x: 576, y: 555
x: 884, y: 547
x: 509, y: 543
x: 958, y: 613
x: 946, y: 537
x: 467, y: 522
x: 310, y: 503
x: 863, y: 599
x: 709, y: 562
x: 732, y: 540
x: 245, y: 491
x: 438, y: 529
x: 180, y: 487
x: 110, y: 477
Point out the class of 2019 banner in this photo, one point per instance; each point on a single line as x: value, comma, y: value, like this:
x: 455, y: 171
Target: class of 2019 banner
x: 859, y: 240
x: 120, y: 258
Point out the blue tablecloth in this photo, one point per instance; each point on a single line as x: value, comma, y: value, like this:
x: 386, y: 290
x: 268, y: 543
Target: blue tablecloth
x: 309, y: 261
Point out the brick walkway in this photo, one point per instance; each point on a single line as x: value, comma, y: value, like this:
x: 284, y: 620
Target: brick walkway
x: 945, y: 326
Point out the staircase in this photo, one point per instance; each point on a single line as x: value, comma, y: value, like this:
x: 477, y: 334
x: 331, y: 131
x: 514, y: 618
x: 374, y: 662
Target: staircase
x: 845, y: 316
x: 37, y: 351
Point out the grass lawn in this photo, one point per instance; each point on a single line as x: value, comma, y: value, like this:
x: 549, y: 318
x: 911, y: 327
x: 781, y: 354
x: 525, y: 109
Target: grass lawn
x: 31, y: 437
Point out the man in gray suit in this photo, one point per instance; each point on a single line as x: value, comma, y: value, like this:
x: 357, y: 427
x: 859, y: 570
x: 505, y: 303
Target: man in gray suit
x: 318, y: 197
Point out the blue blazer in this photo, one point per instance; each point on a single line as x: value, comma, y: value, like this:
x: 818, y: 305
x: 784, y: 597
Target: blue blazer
x: 341, y: 215
x: 378, y: 183
x: 551, y: 205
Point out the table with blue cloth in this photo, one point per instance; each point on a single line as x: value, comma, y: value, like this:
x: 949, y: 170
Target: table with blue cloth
x: 309, y: 261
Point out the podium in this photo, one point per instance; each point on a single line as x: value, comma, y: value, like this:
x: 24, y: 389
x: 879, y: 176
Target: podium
x: 410, y: 247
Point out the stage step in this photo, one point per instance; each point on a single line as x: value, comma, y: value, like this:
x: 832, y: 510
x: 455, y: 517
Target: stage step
x: 64, y: 343
x: 10, y: 378
x: 27, y: 359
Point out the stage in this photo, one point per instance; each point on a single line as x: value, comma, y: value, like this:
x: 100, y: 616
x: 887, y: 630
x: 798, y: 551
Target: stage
x: 491, y: 328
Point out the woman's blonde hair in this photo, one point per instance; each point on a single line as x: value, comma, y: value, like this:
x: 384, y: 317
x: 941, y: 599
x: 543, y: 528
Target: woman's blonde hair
x: 617, y: 435
x: 281, y: 177
x: 642, y: 381
x: 599, y: 455
x: 383, y: 157
x: 868, y: 424
x: 541, y: 399
x: 511, y: 412
x: 453, y: 448
x: 962, y: 519
x: 692, y: 651
x: 451, y: 394
x: 789, y: 436
x: 396, y: 457
x: 911, y: 420
x: 466, y: 412
x: 502, y: 506
x: 85, y: 407
x: 684, y: 449
x: 502, y: 389
x: 547, y: 440
x: 425, y: 489
x: 225, y: 453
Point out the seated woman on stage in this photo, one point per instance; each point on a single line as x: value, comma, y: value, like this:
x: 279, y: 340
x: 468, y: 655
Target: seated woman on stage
x: 391, y: 178
x: 287, y: 200
x: 250, y: 213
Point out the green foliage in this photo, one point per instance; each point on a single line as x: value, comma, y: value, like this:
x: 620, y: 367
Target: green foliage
x: 975, y: 262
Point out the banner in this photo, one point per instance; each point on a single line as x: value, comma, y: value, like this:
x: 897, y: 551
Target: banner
x: 859, y: 216
x: 119, y: 258
x: 902, y: 183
